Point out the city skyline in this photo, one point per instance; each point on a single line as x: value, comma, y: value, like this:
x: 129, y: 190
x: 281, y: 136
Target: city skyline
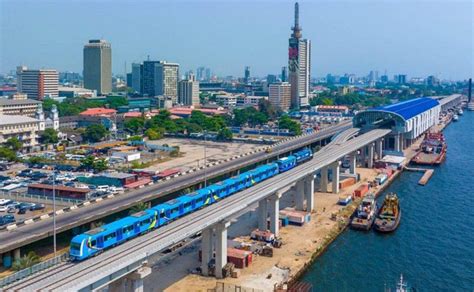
x: 341, y: 37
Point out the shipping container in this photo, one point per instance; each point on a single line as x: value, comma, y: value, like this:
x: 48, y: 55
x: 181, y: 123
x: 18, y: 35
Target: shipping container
x: 361, y: 190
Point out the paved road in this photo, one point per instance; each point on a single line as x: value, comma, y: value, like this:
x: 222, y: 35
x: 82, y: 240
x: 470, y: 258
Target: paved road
x: 120, y: 259
x: 23, y: 235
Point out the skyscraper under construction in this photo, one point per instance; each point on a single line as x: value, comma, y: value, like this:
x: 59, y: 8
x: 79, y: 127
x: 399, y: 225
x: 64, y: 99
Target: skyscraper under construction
x: 299, y: 65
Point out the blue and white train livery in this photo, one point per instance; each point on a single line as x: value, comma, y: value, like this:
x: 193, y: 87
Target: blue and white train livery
x: 94, y: 241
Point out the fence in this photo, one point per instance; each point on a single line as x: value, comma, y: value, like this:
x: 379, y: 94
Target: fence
x: 33, y: 269
x: 22, y: 195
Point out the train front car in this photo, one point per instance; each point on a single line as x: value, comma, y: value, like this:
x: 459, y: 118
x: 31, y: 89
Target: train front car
x: 286, y: 163
x: 303, y: 155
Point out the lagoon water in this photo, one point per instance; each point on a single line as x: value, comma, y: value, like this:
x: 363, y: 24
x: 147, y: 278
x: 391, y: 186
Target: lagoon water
x: 434, y: 245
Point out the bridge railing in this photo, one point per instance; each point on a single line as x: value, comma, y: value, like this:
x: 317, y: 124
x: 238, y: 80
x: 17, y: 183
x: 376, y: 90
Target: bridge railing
x: 33, y: 269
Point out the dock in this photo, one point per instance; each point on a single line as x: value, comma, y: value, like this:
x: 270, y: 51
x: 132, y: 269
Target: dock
x: 428, y: 173
x: 426, y: 177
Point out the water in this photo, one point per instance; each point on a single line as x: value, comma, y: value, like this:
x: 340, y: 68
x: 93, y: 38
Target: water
x: 434, y: 244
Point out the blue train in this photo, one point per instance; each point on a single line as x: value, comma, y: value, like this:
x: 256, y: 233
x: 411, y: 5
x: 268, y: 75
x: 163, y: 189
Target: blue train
x: 96, y: 240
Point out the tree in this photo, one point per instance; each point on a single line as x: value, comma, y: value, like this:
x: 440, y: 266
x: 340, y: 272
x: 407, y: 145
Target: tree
x: 138, y: 208
x: 26, y: 261
x: 116, y: 101
x: 49, y: 136
x: 287, y: 123
x: 135, y: 125
x: 155, y: 133
x: 224, y: 134
x: 88, y: 162
x: 95, y: 133
x: 268, y: 109
x: 14, y: 144
x: 8, y: 154
x: 100, y: 165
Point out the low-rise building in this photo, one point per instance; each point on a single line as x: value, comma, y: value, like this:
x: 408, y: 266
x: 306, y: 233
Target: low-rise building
x: 332, y: 109
x: 99, y: 112
x: 60, y: 191
x: 19, y: 107
x: 249, y: 100
x: 77, y: 92
x: 22, y: 127
x: 227, y: 99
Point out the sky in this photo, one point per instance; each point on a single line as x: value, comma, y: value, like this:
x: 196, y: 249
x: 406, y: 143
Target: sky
x: 413, y: 37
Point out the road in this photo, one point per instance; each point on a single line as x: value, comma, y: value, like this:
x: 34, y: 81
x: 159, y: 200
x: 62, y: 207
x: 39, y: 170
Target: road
x: 118, y: 260
x: 23, y: 235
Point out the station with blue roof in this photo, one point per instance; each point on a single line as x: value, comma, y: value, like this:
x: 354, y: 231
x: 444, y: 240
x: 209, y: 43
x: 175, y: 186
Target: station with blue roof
x: 407, y: 120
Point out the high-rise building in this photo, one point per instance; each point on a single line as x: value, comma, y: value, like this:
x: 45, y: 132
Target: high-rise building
x: 279, y: 94
x: 401, y: 79
x: 271, y: 78
x: 299, y: 64
x: 188, y: 91
x: 208, y: 74
x: 37, y: 84
x: 200, y: 71
x: 137, y: 74
x: 98, y: 66
x: 284, y: 74
x: 161, y: 78
x: 247, y: 74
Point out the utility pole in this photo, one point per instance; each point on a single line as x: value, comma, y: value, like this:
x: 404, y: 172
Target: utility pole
x: 54, y: 209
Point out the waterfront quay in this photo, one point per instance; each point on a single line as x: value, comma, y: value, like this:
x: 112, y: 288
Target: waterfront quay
x: 302, y: 245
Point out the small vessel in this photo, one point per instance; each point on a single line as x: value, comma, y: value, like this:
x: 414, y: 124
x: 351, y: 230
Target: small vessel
x: 455, y: 117
x: 365, y: 214
x: 432, y: 150
x: 344, y: 200
x: 460, y: 112
x: 388, y: 217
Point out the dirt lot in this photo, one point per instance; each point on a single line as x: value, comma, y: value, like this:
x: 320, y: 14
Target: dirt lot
x: 193, y: 152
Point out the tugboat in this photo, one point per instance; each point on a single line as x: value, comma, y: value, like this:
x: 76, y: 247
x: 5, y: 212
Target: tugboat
x: 365, y: 214
x: 460, y: 112
x: 389, y: 214
x: 432, y: 150
x: 455, y: 118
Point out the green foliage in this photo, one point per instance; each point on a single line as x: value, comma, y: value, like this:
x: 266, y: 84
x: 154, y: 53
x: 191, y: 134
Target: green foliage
x: 116, y: 101
x: 320, y: 101
x: 138, y: 208
x: 14, y: 144
x: 135, y: 138
x: 95, y: 133
x: 90, y: 162
x: 268, y: 109
x: 287, y: 123
x: 36, y: 159
x: 71, y: 106
x: 49, y: 136
x: 8, y: 154
x: 26, y: 261
x: 135, y: 125
x: 224, y: 134
x: 155, y: 133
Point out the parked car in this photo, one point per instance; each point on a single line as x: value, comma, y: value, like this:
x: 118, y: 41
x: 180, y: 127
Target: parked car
x: 22, y: 210
x: 103, y: 188
x: 6, y: 219
x: 25, y: 205
x: 3, y: 208
x: 37, y: 207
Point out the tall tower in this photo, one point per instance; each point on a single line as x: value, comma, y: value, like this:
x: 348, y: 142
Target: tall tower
x: 299, y: 65
x: 98, y: 66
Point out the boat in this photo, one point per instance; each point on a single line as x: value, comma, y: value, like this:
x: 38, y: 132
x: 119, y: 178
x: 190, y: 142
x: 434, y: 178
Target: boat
x: 432, y: 150
x: 344, y: 200
x: 365, y: 214
x: 388, y: 217
x: 460, y: 112
x: 455, y: 118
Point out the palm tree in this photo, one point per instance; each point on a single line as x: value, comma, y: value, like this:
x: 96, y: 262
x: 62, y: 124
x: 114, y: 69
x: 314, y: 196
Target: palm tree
x: 26, y: 261
x: 139, y: 207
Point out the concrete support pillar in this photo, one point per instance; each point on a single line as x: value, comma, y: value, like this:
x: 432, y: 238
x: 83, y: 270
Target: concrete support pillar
x: 353, y: 162
x: 262, y: 214
x: 206, y: 250
x: 136, y: 278
x: 335, y: 177
x: 7, y: 259
x: 324, y: 179
x: 274, y: 213
x: 362, y: 156
x: 397, y: 142
x: 309, y: 192
x: 370, y: 162
x: 379, y: 148
x: 221, y: 247
x: 299, y: 195
x: 16, y: 254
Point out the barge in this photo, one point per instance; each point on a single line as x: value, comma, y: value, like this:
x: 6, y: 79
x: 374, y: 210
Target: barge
x: 365, y: 214
x: 432, y: 150
x: 389, y: 214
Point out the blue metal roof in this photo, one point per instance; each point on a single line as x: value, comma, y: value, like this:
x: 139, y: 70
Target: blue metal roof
x: 410, y: 108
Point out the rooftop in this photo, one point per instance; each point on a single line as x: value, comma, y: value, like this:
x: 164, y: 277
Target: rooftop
x: 11, y: 120
x: 7, y: 101
x: 119, y: 175
x: 59, y: 188
x: 97, y: 111
x: 410, y: 108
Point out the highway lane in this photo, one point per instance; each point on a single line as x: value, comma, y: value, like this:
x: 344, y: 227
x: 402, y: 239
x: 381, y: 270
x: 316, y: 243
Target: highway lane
x: 26, y: 234
x: 131, y: 253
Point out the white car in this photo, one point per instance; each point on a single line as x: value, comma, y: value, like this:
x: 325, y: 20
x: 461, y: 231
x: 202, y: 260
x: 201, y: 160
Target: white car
x: 103, y: 188
x: 4, y: 202
x: 4, y: 208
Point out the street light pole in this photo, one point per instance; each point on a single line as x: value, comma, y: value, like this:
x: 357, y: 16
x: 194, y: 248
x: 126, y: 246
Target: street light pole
x: 205, y: 160
x: 54, y: 210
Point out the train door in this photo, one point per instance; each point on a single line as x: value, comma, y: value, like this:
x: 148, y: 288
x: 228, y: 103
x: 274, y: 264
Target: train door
x: 100, y: 241
x: 119, y: 234
x: 136, y: 227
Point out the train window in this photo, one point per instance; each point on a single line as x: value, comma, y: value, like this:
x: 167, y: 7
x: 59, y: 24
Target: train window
x: 174, y: 210
x: 109, y: 236
x: 93, y: 242
x: 127, y: 229
x: 187, y: 205
x: 145, y: 222
x: 76, y: 246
